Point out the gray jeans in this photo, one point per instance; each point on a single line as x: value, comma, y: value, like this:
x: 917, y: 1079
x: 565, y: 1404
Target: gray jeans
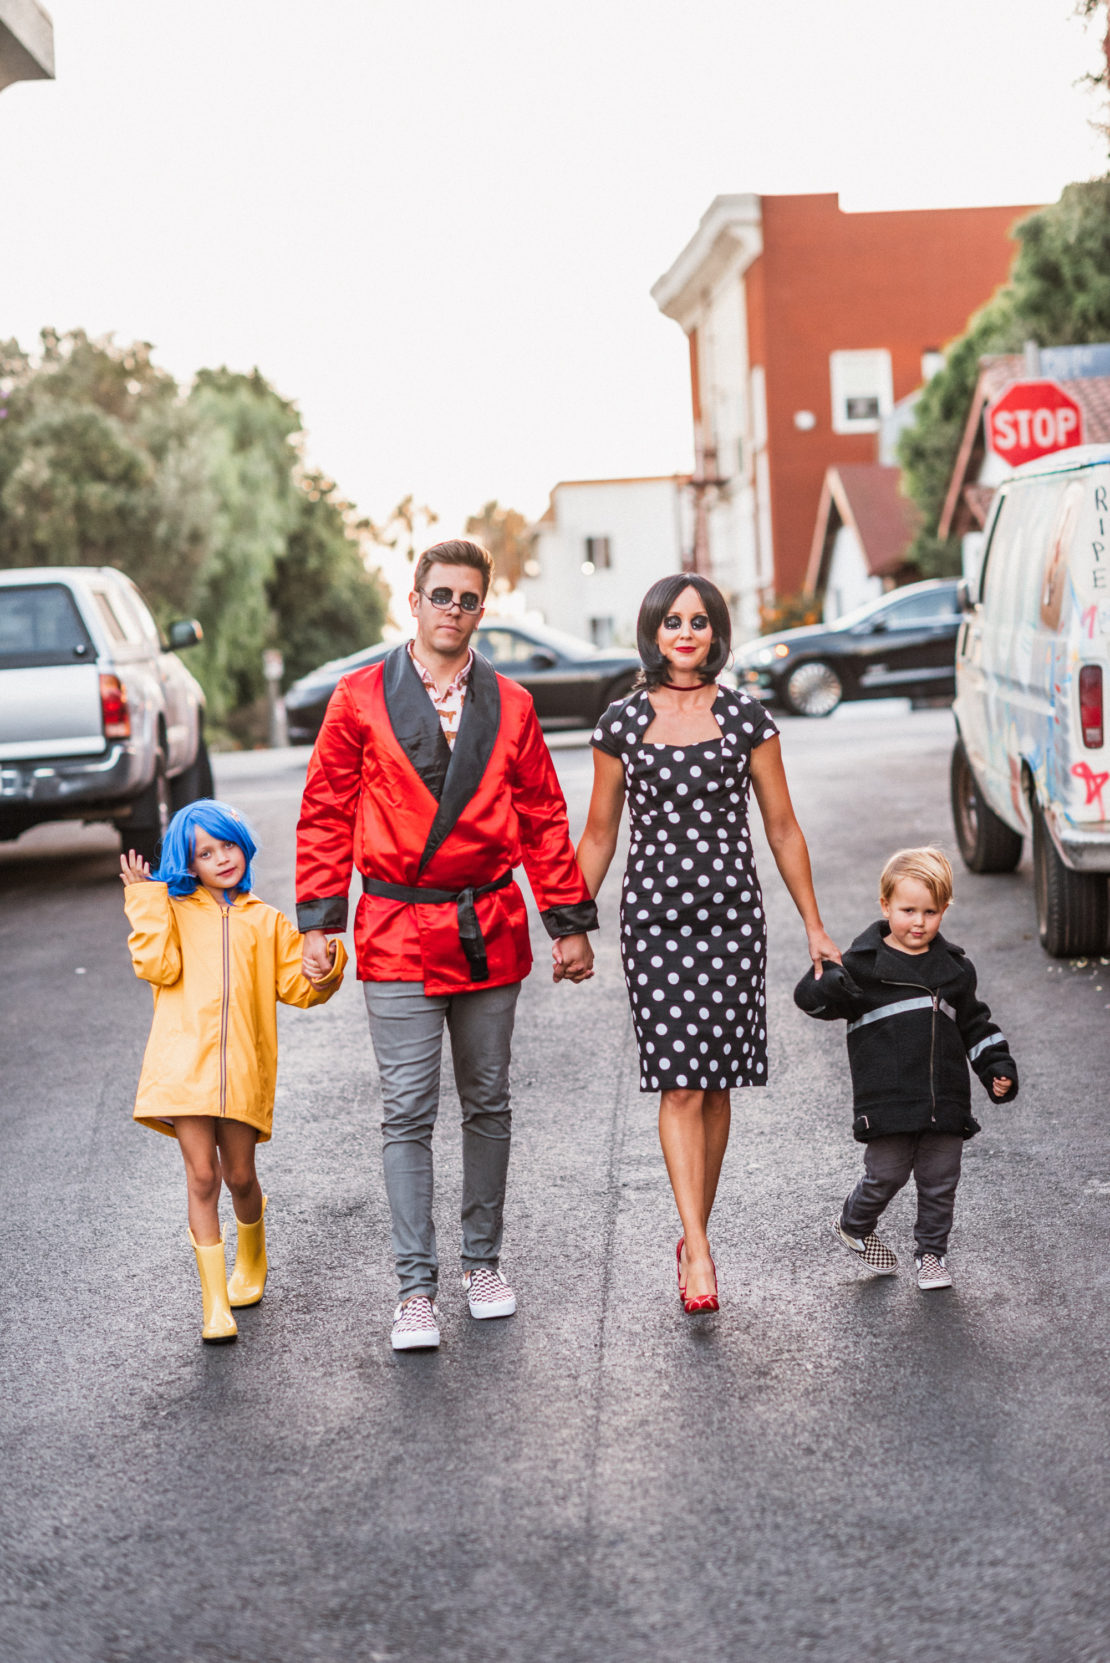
x: 406, y: 1026
x: 934, y: 1159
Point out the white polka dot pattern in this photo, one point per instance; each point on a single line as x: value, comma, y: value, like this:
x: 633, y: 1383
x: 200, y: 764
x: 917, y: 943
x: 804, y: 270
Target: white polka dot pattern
x: 693, y: 934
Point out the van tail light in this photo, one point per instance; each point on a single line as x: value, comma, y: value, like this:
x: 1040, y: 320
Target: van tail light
x: 1090, y: 705
x: 113, y: 708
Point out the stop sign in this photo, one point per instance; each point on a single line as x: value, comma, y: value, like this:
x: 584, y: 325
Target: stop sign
x: 1033, y: 418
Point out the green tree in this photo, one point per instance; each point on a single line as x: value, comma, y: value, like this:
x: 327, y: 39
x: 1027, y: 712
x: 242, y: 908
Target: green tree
x: 202, y: 499
x: 92, y: 436
x: 325, y: 603
x: 1058, y: 294
x: 251, y: 461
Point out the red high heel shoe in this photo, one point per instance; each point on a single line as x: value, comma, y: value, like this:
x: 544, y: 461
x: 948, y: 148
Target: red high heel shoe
x: 707, y: 1302
x: 678, y: 1256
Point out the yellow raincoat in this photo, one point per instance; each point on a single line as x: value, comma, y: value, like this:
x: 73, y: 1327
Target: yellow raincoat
x: 217, y: 973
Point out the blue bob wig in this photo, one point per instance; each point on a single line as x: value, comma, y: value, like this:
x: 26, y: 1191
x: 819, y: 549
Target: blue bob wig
x: 179, y: 846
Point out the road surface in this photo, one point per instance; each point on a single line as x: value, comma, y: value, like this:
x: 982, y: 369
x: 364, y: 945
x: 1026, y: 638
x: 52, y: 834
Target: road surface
x: 832, y: 1467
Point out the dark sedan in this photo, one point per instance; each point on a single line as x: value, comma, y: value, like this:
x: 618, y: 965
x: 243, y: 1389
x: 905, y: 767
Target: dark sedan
x: 570, y: 681
x: 903, y: 645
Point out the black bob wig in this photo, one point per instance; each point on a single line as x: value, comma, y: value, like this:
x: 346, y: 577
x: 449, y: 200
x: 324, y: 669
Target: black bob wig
x: 655, y: 606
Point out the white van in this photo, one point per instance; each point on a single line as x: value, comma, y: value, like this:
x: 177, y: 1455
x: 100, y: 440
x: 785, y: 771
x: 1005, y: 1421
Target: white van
x: 1032, y: 665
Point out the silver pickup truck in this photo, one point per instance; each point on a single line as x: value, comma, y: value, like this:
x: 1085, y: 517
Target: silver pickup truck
x: 99, y: 719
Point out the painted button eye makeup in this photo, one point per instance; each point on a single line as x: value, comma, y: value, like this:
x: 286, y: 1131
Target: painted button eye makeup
x: 443, y: 599
x: 698, y: 622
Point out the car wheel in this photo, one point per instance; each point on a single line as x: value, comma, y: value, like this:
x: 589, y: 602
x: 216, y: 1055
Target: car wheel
x: 1073, y: 908
x: 987, y: 844
x: 196, y: 781
x: 150, y: 815
x: 813, y: 689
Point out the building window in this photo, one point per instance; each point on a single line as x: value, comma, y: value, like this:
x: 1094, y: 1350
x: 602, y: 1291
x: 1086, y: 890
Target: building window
x: 862, y: 390
x: 601, y: 632
x: 598, y: 554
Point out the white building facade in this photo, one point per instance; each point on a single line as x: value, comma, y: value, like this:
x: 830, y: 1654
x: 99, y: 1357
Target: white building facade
x: 601, y: 544
x: 731, y: 500
x: 851, y: 581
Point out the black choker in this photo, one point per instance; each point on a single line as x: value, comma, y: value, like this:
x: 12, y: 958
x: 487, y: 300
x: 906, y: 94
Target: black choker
x: 675, y: 688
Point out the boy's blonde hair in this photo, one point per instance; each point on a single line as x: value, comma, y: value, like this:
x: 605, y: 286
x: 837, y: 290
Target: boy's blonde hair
x: 928, y: 865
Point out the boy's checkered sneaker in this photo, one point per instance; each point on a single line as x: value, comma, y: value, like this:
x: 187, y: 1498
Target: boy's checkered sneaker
x: 932, y: 1271
x: 869, y: 1250
x: 415, y: 1327
x: 487, y: 1293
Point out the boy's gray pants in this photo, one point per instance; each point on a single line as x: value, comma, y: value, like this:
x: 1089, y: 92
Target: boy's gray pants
x: 934, y: 1159
x: 406, y: 1026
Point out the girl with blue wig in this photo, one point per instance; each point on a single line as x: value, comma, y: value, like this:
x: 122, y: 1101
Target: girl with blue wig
x: 219, y: 961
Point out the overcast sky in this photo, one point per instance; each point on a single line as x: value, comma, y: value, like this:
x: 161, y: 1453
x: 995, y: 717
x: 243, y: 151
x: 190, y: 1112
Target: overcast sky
x: 434, y: 224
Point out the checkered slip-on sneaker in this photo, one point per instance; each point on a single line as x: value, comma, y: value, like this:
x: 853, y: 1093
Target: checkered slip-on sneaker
x: 415, y: 1325
x: 932, y: 1271
x: 487, y: 1293
x: 868, y: 1250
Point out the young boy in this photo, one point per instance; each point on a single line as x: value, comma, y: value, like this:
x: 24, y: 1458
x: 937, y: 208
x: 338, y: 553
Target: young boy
x: 914, y: 1024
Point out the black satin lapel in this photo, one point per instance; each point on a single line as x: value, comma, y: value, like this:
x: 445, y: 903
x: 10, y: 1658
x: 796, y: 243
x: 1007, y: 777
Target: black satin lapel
x: 477, y: 735
x: 414, y: 721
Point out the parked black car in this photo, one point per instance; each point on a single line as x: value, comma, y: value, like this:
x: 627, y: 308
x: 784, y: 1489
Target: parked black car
x: 570, y: 681
x: 903, y: 645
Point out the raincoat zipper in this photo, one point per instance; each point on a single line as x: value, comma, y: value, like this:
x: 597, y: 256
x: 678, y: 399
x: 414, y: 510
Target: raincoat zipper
x: 935, y: 997
x: 224, y: 1006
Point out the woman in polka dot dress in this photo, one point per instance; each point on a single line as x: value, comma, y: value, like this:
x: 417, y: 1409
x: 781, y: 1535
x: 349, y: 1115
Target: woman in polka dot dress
x: 693, y: 936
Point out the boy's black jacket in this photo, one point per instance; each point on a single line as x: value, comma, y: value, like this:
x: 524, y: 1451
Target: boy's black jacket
x: 914, y: 1024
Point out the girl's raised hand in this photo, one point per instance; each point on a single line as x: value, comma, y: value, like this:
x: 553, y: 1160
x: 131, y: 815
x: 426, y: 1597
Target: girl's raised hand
x: 132, y: 869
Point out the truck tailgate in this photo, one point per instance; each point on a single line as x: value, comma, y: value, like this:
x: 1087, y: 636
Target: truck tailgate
x: 50, y: 711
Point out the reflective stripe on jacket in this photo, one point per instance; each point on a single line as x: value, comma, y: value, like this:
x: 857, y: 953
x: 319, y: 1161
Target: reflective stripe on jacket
x: 915, y: 1023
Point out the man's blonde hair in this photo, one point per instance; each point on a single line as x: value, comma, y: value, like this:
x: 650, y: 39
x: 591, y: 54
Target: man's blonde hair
x: 928, y: 865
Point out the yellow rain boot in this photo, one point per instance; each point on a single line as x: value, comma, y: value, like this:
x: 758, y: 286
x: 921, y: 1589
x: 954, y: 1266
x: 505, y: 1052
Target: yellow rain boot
x: 248, y: 1279
x: 219, y: 1324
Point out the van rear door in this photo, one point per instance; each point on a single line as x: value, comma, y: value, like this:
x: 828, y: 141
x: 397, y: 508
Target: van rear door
x: 1005, y: 686
x: 49, y: 680
x: 1075, y: 600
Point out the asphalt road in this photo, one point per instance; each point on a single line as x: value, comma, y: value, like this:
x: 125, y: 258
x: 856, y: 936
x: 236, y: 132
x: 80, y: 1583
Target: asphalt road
x: 832, y: 1467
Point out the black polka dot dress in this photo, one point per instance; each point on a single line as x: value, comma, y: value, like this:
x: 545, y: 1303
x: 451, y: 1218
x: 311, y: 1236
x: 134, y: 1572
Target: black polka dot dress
x: 693, y: 934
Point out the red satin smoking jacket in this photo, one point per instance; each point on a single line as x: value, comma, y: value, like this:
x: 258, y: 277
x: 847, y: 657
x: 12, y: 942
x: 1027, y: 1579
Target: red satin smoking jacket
x: 386, y: 792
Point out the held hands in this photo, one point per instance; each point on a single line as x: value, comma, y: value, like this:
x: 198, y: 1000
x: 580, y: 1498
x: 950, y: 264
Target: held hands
x: 132, y: 869
x: 821, y: 946
x: 1001, y: 1086
x: 318, y: 981
x: 318, y: 955
x: 572, y: 959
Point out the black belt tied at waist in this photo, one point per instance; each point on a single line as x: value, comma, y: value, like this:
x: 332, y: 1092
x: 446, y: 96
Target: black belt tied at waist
x: 470, y: 934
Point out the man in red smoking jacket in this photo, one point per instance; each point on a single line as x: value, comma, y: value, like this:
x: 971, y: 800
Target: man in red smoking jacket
x: 431, y: 774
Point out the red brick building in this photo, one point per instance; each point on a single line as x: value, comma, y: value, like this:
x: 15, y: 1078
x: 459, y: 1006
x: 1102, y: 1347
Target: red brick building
x: 806, y: 325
